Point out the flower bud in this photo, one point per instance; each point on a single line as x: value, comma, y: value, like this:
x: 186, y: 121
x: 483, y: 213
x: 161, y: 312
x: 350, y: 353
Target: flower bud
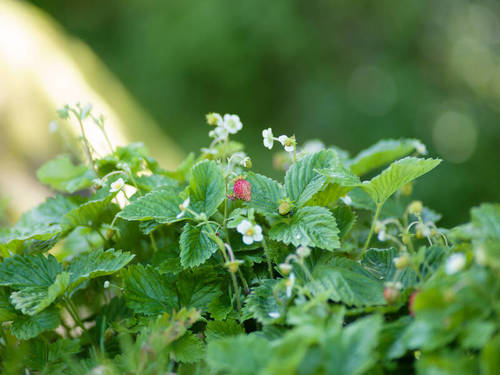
x: 285, y: 268
x: 234, y: 265
x: 213, y: 119
x: 402, y: 261
x: 415, y: 208
x: 242, y: 189
x: 407, y: 189
x: 303, y: 251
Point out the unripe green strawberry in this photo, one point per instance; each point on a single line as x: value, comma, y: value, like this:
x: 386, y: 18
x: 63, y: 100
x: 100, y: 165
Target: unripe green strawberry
x: 242, y: 189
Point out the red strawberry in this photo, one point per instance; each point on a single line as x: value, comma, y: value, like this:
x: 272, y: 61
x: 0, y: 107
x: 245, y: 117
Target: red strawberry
x: 242, y: 189
x: 391, y: 294
x: 411, y: 301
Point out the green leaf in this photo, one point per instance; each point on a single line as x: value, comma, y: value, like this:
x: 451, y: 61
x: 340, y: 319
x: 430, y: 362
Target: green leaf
x: 382, y: 153
x: 302, y: 180
x: 60, y: 174
x: 26, y: 327
x: 7, y: 311
x: 188, y: 348
x: 490, y: 361
x: 266, y: 194
x: 238, y: 355
x: 29, y: 270
x: 207, y: 190
x: 311, y: 226
x: 41, y: 223
x: 96, y: 263
x: 217, y: 329
x: 199, y: 287
x: 161, y: 206
x: 344, y: 280
x: 156, y: 181
x: 196, y: 245
x: 351, y: 351
x: 146, y: 291
x: 486, y: 235
x: 262, y: 302
x: 399, y: 173
x: 32, y: 300
x: 379, y: 262
x: 345, y: 218
x: 90, y: 214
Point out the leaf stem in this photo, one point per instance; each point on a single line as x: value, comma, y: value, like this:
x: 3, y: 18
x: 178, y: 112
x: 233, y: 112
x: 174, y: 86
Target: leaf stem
x: 372, y: 229
x: 85, y: 141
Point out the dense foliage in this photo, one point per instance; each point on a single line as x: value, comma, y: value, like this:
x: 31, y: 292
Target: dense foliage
x: 215, y: 269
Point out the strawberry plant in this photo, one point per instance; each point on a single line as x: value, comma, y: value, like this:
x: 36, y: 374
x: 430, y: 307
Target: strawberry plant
x: 216, y: 269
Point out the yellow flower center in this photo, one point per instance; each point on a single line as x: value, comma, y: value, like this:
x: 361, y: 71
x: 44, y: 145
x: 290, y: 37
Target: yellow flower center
x: 250, y: 232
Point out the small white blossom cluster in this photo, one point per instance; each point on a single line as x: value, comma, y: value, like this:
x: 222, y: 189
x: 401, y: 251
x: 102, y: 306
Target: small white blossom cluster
x: 229, y: 124
x: 289, y: 143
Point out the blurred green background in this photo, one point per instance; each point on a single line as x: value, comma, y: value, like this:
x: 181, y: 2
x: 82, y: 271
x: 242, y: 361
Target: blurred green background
x: 348, y: 73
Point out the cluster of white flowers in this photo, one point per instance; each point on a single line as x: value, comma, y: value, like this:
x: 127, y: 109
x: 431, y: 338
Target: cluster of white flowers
x: 289, y: 143
x: 229, y: 124
x: 251, y: 232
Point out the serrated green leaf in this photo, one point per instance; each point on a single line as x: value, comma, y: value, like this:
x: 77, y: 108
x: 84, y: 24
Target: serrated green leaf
x: 32, y: 300
x: 219, y: 329
x: 161, y: 206
x: 262, y: 305
x: 26, y: 327
x: 379, y: 262
x: 29, y: 270
x: 7, y: 311
x: 302, y: 180
x: 96, y: 263
x: 346, y: 281
x: 382, y: 153
x: 266, y: 194
x: 156, y: 181
x: 399, y: 173
x: 345, y: 218
x: 60, y: 174
x: 196, y: 245
x: 206, y: 188
x: 198, y: 287
x: 311, y: 226
x: 41, y: 223
x: 351, y: 351
x: 188, y: 348
x: 90, y: 214
x: 238, y: 355
x: 146, y: 291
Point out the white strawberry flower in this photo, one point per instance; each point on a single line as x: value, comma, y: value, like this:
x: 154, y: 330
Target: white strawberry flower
x: 420, y: 148
x: 287, y: 142
x: 251, y: 232
x: 267, y: 134
x: 183, y: 206
x: 220, y: 133
x: 455, y: 263
x: 274, y: 314
x: 232, y: 123
x: 117, y: 185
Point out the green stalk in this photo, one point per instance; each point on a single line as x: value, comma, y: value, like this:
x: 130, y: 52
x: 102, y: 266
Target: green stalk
x: 372, y: 229
x: 268, y: 258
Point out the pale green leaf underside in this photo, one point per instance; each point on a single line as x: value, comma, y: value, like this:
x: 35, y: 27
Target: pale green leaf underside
x: 399, y: 173
x: 382, y: 153
x: 96, y: 263
x: 344, y: 280
x: 196, y: 246
x: 32, y: 300
x: 266, y: 194
x: 207, y: 190
x: 161, y: 206
x: 60, y: 174
x: 302, y: 180
x: 311, y: 226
